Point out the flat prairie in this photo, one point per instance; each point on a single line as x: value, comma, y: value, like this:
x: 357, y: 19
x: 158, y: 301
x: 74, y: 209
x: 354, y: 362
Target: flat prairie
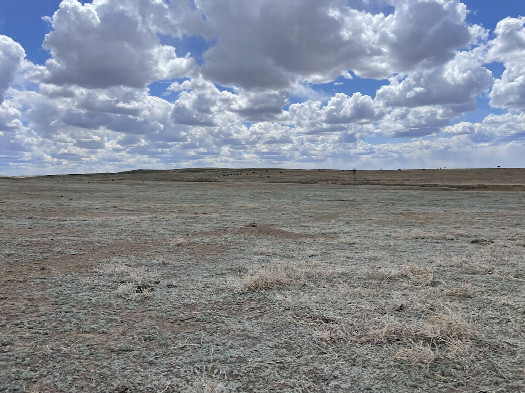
x: 263, y: 280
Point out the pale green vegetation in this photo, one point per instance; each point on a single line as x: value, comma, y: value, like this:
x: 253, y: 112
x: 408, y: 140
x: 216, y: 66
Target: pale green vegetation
x: 163, y: 287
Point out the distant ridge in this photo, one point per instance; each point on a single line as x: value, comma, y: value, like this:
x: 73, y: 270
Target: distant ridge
x: 464, y: 179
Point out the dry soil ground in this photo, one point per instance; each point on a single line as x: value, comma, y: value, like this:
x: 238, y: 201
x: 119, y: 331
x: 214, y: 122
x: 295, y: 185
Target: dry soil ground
x: 146, y: 282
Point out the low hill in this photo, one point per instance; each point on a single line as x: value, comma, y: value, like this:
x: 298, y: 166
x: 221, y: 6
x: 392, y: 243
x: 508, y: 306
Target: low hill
x: 493, y: 178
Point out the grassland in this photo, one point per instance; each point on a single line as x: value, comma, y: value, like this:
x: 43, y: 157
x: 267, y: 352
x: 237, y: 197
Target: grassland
x: 263, y: 280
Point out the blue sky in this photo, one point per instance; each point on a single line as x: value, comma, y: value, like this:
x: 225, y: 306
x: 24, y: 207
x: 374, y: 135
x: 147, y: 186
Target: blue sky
x: 116, y: 85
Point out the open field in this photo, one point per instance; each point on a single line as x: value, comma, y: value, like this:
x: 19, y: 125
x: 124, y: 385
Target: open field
x: 303, y: 281
x: 467, y: 179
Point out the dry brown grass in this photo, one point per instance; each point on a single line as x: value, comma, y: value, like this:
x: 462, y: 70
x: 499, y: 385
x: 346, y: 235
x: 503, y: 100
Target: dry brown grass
x: 443, y: 334
x: 446, y: 326
x: 179, y: 241
x: 123, y: 272
x: 419, y: 276
x: 262, y: 251
x: 489, y: 259
x: 271, y: 276
x: 417, y: 353
x: 367, y: 318
x: 463, y: 291
x: 422, y: 353
x: 412, y: 275
x: 390, y: 330
x: 129, y: 291
x: 133, y: 281
x: 279, y: 274
x: 331, y: 331
x: 208, y: 385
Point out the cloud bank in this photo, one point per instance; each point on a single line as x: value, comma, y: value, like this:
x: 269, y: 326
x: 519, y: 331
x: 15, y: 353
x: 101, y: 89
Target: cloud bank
x: 156, y: 83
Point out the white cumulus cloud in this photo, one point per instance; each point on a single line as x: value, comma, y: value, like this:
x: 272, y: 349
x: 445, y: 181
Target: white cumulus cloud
x: 274, y: 44
x: 453, y: 85
x: 109, y: 43
x: 11, y: 57
x: 260, y: 82
x: 509, y: 48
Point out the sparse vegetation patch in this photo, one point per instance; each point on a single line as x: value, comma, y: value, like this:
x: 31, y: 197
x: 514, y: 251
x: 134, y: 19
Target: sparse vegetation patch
x: 233, y: 286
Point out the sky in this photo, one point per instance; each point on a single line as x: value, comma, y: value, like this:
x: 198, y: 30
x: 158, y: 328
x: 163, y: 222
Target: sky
x: 112, y: 85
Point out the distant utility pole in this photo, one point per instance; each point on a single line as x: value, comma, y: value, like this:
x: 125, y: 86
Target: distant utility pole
x: 355, y: 171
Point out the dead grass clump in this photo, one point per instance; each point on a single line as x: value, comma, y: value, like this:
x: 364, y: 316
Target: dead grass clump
x: 418, y: 353
x: 262, y: 251
x: 134, y: 281
x: 455, y: 261
x: 289, y: 302
x: 446, y: 326
x: 347, y: 241
x: 458, y: 350
x: 444, y: 330
x: 462, y: 291
x: 479, y: 266
x: 122, y: 272
x: 281, y: 274
x: 207, y: 379
x: 271, y: 276
x: 445, y: 334
x: 208, y: 385
x: 385, y: 274
x: 413, y: 275
x: 179, y: 242
x: 482, y: 261
x: 330, y: 329
x: 419, y: 276
x: 129, y: 291
x: 423, y: 353
x: 390, y: 331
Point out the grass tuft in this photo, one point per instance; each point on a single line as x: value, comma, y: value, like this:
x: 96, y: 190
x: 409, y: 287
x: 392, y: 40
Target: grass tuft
x: 418, y: 353
x: 413, y: 275
x: 272, y: 276
x: 462, y: 291
x: 419, y: 276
